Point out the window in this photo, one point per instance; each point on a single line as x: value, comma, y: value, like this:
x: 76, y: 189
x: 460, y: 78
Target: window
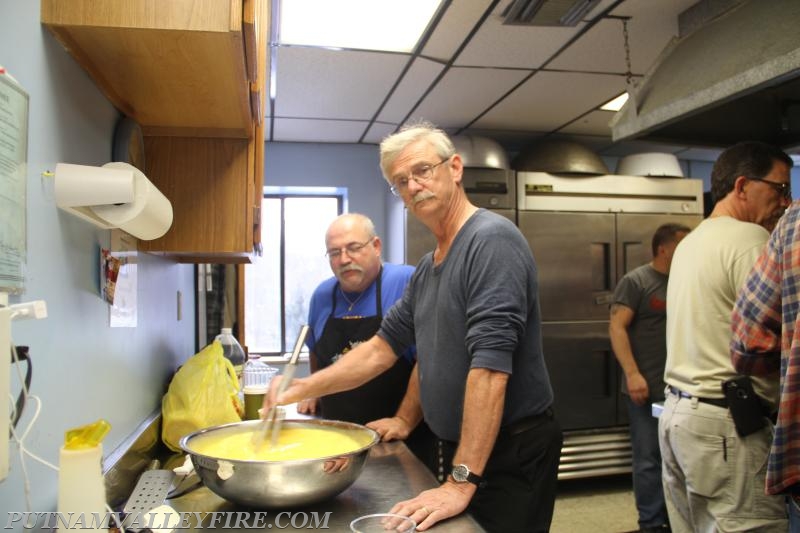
x: 279, y: 284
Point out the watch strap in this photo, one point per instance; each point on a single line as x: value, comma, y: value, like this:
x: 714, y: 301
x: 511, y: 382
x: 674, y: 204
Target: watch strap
x: 471, y: 477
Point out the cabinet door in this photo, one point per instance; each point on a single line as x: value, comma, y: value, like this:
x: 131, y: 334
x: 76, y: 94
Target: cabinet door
x: 583, y: 373
x: 574, y: 255
x: 635, y: 236
x: 209, y: 182
x: 176, y: 67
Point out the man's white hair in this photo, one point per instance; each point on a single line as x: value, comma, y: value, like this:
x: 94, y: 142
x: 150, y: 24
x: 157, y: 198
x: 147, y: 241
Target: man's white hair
x: 392, y: 145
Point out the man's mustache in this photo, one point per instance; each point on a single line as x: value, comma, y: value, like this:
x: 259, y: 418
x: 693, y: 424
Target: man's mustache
x: 348, y: 268
x: 422, y: 195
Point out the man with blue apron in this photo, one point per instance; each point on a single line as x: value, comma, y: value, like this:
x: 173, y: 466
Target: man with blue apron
x: 346, y: 310
x: 376, y: 399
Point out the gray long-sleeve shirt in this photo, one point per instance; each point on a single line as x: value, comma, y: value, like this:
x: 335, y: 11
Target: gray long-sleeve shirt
x: 478, y: 309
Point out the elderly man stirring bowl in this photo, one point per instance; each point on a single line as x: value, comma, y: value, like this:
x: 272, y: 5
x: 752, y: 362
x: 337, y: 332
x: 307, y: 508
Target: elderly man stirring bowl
x: 472, y: 307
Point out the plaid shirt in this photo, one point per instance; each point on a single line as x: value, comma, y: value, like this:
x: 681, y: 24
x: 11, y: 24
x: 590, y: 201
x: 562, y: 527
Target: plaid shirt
x: 766, y: 340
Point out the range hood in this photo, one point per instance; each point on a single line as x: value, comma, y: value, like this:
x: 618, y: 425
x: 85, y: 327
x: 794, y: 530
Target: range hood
x: 735, y: 78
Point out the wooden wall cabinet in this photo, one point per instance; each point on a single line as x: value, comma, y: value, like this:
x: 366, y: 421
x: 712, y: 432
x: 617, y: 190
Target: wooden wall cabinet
x: 193, y: 74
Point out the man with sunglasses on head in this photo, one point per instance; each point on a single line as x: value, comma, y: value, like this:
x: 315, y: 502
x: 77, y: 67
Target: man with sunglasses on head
x: 346, y: 310
x: 472, y: 309
x: 714, y: 460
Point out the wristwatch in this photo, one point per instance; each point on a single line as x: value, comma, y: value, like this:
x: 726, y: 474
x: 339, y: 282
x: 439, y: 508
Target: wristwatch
x: 462, y: 474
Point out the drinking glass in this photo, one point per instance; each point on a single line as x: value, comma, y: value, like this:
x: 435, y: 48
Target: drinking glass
x: 383, y: 523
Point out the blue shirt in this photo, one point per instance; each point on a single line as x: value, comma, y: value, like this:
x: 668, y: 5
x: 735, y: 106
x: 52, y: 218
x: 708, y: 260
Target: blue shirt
x: 394, y: 279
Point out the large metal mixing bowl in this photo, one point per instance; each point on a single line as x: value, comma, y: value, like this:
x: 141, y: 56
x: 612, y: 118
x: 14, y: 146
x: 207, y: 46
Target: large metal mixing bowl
x: 281, y: 484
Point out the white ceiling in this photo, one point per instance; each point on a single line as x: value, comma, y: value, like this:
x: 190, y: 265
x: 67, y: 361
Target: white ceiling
x: 473, y: 75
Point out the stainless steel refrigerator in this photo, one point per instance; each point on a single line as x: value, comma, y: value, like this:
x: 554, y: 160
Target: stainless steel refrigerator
x: 586, y: 233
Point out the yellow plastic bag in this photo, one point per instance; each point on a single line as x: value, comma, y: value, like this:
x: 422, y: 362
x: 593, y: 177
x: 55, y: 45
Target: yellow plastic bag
x: 203, y: 393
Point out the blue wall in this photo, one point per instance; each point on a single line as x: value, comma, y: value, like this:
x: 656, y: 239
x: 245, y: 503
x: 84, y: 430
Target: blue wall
x: 83, y: 369
x: 354, y: 166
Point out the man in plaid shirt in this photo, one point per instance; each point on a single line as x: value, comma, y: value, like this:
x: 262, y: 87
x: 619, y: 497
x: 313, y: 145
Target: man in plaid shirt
x: 766, y: 342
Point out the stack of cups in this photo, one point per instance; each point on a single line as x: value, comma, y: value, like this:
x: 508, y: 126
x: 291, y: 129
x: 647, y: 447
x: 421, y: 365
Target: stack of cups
x: 256, y: 378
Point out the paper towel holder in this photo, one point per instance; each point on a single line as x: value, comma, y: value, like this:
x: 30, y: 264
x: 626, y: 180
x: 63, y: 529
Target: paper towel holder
x: 80, y: 189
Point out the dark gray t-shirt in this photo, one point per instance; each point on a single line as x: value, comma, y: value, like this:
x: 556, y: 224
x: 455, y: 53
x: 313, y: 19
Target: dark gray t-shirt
x: 478, y: 309
x: 644, y: 290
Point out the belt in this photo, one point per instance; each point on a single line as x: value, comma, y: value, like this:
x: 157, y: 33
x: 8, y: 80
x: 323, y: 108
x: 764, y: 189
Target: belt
x: 719, y: 402
x: 524, y: 424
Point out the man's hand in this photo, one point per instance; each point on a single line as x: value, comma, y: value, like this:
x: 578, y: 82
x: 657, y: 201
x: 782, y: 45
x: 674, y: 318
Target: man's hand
x: 307, y: 407
x: 434, y: 505
x: 637, y: 388
x: 295, y: 392
x: 394, y: 428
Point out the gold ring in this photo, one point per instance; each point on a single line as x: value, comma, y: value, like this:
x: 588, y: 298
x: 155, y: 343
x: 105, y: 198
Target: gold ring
x: 425, y: 509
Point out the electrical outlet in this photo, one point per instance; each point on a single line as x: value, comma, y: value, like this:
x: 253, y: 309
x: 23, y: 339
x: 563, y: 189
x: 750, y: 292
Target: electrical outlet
x: 35, y: 309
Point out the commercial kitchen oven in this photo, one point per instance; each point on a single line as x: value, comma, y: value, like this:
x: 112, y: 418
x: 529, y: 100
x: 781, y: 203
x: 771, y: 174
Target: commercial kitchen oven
x: 586, y: 232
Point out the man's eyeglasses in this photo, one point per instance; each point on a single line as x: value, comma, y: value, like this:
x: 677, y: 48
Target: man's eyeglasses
x: 421, y: 174
x: 351, y: 249
x: 782, y: 188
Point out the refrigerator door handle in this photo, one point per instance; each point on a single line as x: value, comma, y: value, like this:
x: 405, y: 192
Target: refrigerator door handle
x: 606, y: 298
x: 609, y: 367
x: 600, y: 256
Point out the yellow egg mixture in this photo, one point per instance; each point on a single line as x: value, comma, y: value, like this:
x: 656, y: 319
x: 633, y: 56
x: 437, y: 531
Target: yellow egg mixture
x: 292, y: 444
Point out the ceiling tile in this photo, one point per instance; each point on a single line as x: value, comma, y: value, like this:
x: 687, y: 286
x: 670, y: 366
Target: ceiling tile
x: 343, y: 84
x: 651, y: 27
x: 497, y: 45
x: 464, y: 93
x: 549, y: 100
x: 457, y: 22
x: 378, y: 131
x: 594, y: 123
x: 345, y: 89
x: 599, y: 9
x: 414, y: 84
x: 323, y: 131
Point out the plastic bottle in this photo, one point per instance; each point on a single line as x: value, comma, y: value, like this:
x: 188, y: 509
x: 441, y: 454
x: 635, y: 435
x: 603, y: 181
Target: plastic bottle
x: 255, y: 383
x: 232, y: 350
x: 81, y: 487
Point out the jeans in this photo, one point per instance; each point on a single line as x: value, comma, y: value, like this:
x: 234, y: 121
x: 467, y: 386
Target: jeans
x: 647, y: 488
x: 794, y: 515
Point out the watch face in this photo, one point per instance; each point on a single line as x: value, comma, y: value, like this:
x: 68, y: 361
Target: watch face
x: 460, y: 473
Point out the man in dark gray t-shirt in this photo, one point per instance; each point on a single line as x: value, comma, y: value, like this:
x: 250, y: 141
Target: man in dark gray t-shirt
x: 637, y: 329
x: 472, y: 308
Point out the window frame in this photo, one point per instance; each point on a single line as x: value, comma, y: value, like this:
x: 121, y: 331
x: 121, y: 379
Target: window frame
x: 282, y: 193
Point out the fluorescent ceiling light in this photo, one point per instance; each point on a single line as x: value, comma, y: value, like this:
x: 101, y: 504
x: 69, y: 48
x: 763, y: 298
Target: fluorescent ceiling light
x: 385, y: 25
x: 615, y: 104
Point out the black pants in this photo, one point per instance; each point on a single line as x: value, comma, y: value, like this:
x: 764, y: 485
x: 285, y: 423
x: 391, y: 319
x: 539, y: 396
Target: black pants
x: 422, y: 443
x: 521, y: 477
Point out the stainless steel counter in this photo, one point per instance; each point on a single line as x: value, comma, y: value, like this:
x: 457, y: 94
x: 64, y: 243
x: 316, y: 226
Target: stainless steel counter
x: 391, y: 474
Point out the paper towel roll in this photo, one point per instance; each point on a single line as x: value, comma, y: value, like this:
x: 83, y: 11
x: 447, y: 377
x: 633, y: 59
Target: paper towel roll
x: 81, y: 185
x: 148, y: 217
